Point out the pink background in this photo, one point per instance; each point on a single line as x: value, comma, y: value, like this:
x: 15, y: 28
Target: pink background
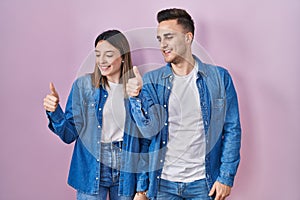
x: 43, y: 41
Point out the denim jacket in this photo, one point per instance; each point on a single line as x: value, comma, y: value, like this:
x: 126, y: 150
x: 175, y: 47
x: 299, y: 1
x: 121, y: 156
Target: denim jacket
x: 82, y: 122
x: 219, y: 105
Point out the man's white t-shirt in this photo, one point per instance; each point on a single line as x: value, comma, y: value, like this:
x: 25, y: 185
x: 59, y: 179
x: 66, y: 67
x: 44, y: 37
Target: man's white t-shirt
x: 185, y: 155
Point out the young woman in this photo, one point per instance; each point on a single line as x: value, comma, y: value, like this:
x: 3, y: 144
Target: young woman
x: 95, y: 118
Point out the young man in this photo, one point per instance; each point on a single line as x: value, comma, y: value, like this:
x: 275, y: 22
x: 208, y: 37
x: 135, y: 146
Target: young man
x: 189, y: 112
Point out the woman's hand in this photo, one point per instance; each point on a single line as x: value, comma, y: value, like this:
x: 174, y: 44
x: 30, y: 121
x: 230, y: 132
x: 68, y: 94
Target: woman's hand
x: 51, y: 100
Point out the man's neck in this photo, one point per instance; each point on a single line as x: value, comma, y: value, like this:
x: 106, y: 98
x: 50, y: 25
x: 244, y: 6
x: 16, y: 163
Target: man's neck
x: 184, y: 66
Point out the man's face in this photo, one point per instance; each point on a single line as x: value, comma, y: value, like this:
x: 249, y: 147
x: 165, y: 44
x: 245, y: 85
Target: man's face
x: 172, y: 39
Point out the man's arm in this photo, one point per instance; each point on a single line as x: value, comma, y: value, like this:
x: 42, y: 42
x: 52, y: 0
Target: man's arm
x: 231, y: 143
x: 148, y: 115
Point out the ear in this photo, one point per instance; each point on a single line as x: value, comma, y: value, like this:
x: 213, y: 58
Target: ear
x: 189, y: 37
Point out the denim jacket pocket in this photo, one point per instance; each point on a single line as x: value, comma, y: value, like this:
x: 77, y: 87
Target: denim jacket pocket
x: 90, y: 108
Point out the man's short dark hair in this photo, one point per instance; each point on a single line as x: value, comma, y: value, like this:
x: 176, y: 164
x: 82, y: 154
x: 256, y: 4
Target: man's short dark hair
x: 183, y: 18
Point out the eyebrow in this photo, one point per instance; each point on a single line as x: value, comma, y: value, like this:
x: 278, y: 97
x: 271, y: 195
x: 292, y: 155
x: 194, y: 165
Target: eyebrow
x: 109, y: 51
x: 165, y: 35
x: 168, y: 34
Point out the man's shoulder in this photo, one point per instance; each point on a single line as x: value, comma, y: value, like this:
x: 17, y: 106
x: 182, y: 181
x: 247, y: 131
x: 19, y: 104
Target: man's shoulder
x: 213, y: 69
x: 156, y: 73
x: 159, y: 70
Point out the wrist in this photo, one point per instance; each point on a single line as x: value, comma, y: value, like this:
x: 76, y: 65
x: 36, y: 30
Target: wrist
x: 142, y: 193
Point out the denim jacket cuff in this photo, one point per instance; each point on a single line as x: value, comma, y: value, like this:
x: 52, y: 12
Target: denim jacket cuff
x: 226, y: 179
x: 57, y: 116
x: 135, y: 101
x: 142, y: 185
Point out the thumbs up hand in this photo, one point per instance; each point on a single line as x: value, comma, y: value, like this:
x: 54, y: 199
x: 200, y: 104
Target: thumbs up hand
x: 134, y: 85
x: 51, y: 100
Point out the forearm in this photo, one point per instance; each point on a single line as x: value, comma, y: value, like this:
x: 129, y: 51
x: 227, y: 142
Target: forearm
x: 231, y: 139
x: 149, y: 117
x: 62, y: 127
x: 143, y: 166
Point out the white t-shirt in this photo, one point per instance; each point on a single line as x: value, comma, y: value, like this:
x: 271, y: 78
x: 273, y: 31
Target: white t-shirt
x: 113, y: 114
x: 185, y: 155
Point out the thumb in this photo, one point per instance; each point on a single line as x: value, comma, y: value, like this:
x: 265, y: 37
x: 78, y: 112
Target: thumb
x: 212, y: 191
x: 52, y: 89
x: 136, y: 72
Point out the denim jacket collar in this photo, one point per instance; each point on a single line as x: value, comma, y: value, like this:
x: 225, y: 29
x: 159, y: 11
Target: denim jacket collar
x: 168, y: 72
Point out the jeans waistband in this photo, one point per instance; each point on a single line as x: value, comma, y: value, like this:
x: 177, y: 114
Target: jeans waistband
x: 112, y: 144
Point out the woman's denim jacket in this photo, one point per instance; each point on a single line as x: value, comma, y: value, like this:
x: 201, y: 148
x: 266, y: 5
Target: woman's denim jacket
x: 219, y: 105
x: 82, y: 122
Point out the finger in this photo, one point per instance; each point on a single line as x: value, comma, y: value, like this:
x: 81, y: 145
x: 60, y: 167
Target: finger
x: 50, y: 103
x: 133, y: 93
x: 52, y: 98
x: 133, y: 87
x: 52, y: 88
x: 212, y: 191
x: 49, y: 108
x: 136, y: 72
x: 133, y: 81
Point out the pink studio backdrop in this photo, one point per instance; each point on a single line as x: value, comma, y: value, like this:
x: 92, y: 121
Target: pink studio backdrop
x: 43, y: 41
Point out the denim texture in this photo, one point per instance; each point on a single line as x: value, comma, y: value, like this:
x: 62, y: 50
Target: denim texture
x: 109, y: 174
x: 196, y: 190
x: 81, y: 123
x: 219, y: 105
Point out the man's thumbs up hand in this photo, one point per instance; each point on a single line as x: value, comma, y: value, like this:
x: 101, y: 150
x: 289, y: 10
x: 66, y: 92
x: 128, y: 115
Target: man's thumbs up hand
x: 135, y: 84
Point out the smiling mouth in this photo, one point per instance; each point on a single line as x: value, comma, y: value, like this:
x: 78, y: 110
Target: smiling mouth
x: 104, y: 68
x: 166, y: 52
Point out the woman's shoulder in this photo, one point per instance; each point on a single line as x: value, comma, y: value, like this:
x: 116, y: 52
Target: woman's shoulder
x: 83, y: 87
x: 84, y: 81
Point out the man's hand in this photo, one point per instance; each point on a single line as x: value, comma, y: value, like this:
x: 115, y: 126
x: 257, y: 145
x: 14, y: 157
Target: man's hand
x: 51, y: 100
x: 222, y: 191
x: 140, y: 196
x: 135, y: 84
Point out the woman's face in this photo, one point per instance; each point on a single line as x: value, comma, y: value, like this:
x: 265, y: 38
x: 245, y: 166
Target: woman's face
x: 108, y: 60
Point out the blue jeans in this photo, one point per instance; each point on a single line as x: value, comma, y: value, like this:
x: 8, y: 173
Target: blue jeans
x: 109, y: 174
x: 196, y: 190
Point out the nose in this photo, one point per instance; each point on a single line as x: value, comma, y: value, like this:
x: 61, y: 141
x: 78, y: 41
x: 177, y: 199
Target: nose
x: 163, y: 44
x: 101, y: 59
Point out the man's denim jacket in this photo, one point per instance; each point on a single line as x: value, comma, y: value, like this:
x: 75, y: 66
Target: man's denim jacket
x: 82, y: 122
x: 219, y: 105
